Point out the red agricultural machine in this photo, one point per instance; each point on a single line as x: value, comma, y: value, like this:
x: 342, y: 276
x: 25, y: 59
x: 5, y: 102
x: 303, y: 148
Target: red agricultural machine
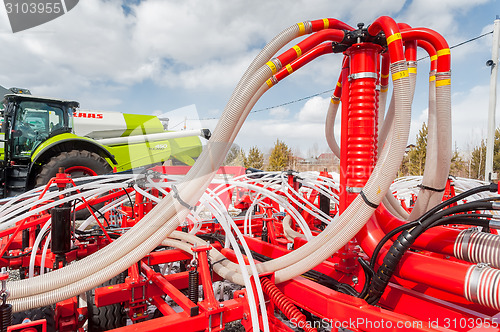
x: 210, y: 248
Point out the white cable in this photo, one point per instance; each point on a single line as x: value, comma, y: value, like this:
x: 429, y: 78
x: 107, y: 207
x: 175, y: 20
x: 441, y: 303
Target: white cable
x: 31, y: 270
x: 225, y: 222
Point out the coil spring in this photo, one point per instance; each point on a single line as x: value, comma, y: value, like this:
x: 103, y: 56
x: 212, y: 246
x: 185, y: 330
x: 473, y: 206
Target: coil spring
x: 5, y: 316
x: 193, y: 286
x: 283, y: 303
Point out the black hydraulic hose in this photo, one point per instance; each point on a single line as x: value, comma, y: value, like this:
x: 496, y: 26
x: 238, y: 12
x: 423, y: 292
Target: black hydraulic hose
x: 471, y: 206
x: 476, y: 219
x: 17, y: 256
x: 488, y: 199
x: 368, y: 276
x: 130, y: 200
x: 406, y: 239
x: 493, y: 187
x: 98, y: 212
x: 465, y: 219
x: 387, y: 237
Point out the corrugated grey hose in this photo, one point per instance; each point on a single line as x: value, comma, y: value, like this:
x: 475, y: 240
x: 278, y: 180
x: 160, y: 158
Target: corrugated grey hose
x: 444, y: 140
x: 336, y: 235
x: 330, y: 126
x: 355, y: 216
x: 431, y: 157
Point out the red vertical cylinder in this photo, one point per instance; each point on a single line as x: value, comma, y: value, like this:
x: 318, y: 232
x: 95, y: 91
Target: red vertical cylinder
x: 362, y: 101
x: 344, y: 136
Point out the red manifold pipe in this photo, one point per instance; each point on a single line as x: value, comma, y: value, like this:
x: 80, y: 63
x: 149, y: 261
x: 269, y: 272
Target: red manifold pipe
x: 310, y: 42
x: 329, y: 23
x: 437, y: 41
x: 391, y: 30
x: 430, y: 50
x: 410, y: 45
x: 337, y: 93
x: 316, y: 52
x: 384, y: 71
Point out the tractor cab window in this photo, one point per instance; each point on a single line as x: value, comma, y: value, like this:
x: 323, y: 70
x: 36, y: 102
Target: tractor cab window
x: 34, y: 122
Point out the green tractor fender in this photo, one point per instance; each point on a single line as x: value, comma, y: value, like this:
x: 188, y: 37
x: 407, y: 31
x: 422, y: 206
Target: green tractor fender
x: 66, y: 142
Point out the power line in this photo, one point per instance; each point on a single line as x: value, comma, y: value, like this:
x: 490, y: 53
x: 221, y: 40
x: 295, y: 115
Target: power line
x: 330, y: 90
x: 463, y: 43
x: 293, y: 101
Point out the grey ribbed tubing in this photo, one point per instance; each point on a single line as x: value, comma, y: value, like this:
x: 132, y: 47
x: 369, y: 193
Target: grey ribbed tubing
x: 355, y: 216
x: 482, y: 286
x: 443, y: 117
x: 386, y: 126
x: 431, y: 158
x: 330, y: 126
x: 290, y: 234
x: 478, y: 247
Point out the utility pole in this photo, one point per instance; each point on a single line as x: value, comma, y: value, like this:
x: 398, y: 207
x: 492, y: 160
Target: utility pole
x: 490, y: 140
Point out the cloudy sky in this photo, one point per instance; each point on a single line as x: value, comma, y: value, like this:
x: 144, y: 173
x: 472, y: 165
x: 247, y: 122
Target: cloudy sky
x: 155, y: 56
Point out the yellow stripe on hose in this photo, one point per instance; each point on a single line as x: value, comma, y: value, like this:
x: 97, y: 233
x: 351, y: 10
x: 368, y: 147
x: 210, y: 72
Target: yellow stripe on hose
x: 335, y: 101
x: 269, y: 83
x: 289, y: 69
x: 339, y: 84
x: 444, y: 51
x: 432, y: 78
x: 271, y: 65
x: 400, y: 74
x: 443, y: 82
x: 393, y: 37
x: 384, y: 76
x: 326, y: 23
x: 434, y: 58
x: 412, y: 70
x: 297, y: 50
x: 302, y: 28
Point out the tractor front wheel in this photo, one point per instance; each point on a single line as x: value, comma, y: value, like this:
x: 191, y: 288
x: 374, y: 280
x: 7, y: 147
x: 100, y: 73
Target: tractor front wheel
x: 77, y: 163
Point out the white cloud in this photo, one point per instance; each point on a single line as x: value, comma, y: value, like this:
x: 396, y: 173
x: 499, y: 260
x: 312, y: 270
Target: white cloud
x: 97, y: 51
x: 470, y: 116
x: 191, y: 44
x: 314, y: 110
x: 279, y: 112
x: 438, y: 15
x: 300, y: 132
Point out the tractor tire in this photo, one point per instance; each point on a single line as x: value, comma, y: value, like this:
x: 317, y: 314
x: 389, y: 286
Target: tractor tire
x: 46, y: 313
x: 107, y: 317
x: 79, y: 162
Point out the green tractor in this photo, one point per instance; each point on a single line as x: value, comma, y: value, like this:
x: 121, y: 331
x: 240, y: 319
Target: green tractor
x: 39, y: 135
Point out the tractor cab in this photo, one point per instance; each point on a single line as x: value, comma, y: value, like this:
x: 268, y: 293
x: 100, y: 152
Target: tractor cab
x: 28, y: 121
